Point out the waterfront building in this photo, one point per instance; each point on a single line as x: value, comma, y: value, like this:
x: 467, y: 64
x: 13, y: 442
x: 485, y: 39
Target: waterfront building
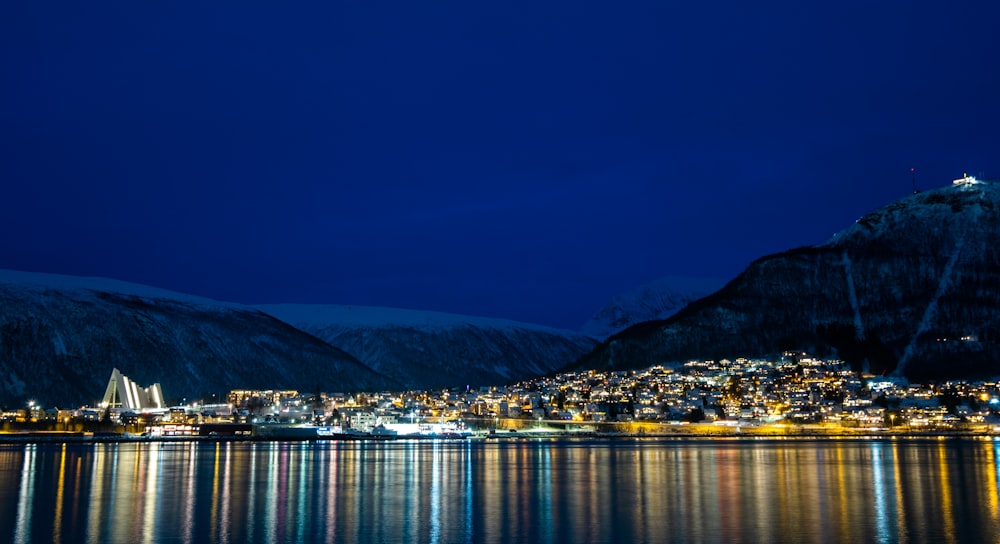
x: 253, y: 398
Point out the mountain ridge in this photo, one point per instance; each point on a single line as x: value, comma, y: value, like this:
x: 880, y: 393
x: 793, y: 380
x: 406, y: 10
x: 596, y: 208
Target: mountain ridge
x: 908, y: 288
x: 655, y: 300
x: 437, y: 349
x: 60, y: 341
x: 60, y: 337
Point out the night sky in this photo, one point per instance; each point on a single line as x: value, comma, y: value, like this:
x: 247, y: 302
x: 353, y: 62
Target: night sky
x: 526, y: 160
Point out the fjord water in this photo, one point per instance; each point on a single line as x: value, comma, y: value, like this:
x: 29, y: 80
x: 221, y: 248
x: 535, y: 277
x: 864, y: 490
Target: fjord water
x: 547, y: 491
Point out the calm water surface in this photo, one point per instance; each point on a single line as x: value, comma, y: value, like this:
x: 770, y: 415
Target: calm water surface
x: 931, y: 490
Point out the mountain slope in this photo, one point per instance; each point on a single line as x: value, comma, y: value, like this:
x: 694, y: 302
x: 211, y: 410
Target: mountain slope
x: 658, y: 299
x: 912, y: 288
x: 428, y: 350
x: 60, y: 337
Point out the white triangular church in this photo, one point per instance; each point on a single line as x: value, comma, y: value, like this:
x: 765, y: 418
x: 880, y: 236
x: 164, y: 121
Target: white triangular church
x: 124, y: 393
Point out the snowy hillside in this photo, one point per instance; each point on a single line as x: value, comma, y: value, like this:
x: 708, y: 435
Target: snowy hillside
x: 433, y: 349
x: 60, y: 337
x: 911, y: 288
x: 658, y: 299
x: 38, y: 281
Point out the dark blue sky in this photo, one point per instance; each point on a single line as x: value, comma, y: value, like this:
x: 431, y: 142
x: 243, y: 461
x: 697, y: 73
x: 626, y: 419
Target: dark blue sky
x: 526, y: 161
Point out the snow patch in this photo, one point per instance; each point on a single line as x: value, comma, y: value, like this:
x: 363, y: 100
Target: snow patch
x: 931, y: 311
x: 58, y: 345
x: 936, y: 206
x: 859, y: 328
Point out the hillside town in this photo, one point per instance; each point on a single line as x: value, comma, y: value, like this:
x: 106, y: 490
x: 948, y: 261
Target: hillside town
x: 792, y: 392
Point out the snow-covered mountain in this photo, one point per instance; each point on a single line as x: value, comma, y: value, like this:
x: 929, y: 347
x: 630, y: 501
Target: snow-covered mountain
x: 658, y: 299
x: 431, y: 349
x: 61, y: 336
x: 82, y: 284
x: 912, y: 288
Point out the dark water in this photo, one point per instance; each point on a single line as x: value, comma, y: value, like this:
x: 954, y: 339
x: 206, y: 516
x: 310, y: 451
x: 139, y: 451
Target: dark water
x: 935, y: 490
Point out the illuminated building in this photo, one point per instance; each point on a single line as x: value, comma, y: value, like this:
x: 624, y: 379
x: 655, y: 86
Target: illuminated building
x: 124, y: 393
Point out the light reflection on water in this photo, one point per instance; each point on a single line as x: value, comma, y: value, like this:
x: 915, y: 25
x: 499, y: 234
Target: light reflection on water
x: 509, y: 491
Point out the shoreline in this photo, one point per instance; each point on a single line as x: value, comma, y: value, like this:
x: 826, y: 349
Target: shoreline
x: 693, y: 432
